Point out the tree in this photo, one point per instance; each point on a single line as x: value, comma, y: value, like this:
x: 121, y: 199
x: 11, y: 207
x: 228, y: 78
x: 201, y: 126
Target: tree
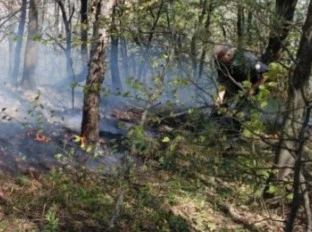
x: 18, y: 48
x: 84, y: 31
x: 284, y: 14
x: 114, y: 52
x: 67, y: 20
x: 30, y: 59
x: 290, y: 152
x: 91, y: 106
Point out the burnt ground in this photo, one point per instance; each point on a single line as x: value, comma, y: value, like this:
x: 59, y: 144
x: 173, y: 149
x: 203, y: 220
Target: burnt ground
x: 38, y: 125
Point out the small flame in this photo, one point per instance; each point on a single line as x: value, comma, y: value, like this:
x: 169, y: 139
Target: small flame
x: 42, y: 138
x: 39, y: 137
x: 83, y: 142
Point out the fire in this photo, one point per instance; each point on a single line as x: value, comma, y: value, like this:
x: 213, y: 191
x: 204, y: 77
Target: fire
x: 39, y: 137
x: 42, y: 138
x: 83, y: 142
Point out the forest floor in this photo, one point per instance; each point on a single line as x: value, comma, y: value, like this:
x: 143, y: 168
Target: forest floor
x: 178, y: 179
x: 197, y: 193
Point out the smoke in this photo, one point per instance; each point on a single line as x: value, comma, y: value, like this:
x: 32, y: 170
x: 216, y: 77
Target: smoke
x: 54, y: 109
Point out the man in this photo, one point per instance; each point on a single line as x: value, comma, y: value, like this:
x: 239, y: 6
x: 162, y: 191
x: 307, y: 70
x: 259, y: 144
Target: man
x: 234, y: 67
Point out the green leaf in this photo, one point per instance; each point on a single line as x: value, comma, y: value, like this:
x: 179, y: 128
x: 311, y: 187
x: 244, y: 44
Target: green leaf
x: 272, y: 189
x: 58, y: 156
x: 263, y: 104
x: 166, y: 139
x: 89, y: 148
x: 247, y: 133
x: 247, y: 84
x: 76, y: 138
x: 272, y: 84
x: 290, y: 196
x: 37, y: 38
x: 211, y: 226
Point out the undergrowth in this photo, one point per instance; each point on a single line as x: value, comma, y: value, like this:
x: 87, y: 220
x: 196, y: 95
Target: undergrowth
x: 181, y: 181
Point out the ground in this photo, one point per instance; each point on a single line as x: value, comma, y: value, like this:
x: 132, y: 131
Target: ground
x: 168, y: 178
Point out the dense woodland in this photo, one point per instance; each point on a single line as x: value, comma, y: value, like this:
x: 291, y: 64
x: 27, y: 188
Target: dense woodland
x: 112, y: 120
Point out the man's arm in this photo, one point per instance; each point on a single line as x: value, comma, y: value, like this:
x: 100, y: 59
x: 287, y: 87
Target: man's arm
x: 256, y: 85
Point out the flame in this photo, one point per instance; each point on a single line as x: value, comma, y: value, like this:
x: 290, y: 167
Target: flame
x: 42, y: 138
x: 83, y: 142
x: 39, y: 137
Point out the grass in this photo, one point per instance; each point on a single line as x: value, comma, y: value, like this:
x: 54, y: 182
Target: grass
x: 195, y: 181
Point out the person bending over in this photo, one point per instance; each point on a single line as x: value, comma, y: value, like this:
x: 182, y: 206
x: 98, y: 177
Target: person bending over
x: 234, y: 67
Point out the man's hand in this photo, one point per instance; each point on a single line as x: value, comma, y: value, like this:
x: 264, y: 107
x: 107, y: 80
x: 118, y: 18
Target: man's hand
x: 219, y: 101
x: 256, y: 85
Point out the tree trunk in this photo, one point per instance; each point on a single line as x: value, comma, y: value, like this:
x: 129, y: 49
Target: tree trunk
x: 279, y: 31
x: 91, y: 105
x: 240, y: 25
x: 124, y: 57
x: 207, y: 31
x: 30, y: 60
x: 148, y: 44
x: 196, y: 72
x: 114, y: 54
x: 249, y: 29
x: 84, y: 31
x: 67, y: 20
x: 299, y: 80
x: 18, y: 48
x: 293, y: 136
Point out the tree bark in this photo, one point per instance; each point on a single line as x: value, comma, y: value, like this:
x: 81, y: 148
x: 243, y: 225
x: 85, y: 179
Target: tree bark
x: 18, y: 48
x: 293, y: 136
x: 84, y: 31
x: 285, y: 14
x: 67, y: 20
x: 91, y: 105
x: 299, y: 80
x: 249, y: 29
x: 116, y: 81
x: 148, y: 43
x: 240, y: 25
x: 30, y: 60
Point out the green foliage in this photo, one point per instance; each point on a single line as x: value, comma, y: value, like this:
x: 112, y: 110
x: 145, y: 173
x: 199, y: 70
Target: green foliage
x: 52, y: 219
x: 37, y: 38
x: 141, y: 142
x: 277, y: 82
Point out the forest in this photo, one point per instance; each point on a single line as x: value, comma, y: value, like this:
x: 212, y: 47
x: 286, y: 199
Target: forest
x: 145, y: 115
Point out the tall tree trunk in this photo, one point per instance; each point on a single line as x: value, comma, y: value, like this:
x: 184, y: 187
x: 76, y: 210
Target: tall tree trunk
x: 194, y: 56
x: 207, y: 31
x: 43, y: 13
x: 279, y: 31
x: 148, y: 44
x: 30, y: 60
x: 124, y: 57
x: 298, y: 108
x: 249, y: 28
x: 67, y: 20
x: 10, y: 41
x: 114, y: 53
x: 18, y: 48
x: 299, y: 80
x: 91, y: 105
x: 240, y: 25
x: 84, y: 31
x: 194, y: 41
